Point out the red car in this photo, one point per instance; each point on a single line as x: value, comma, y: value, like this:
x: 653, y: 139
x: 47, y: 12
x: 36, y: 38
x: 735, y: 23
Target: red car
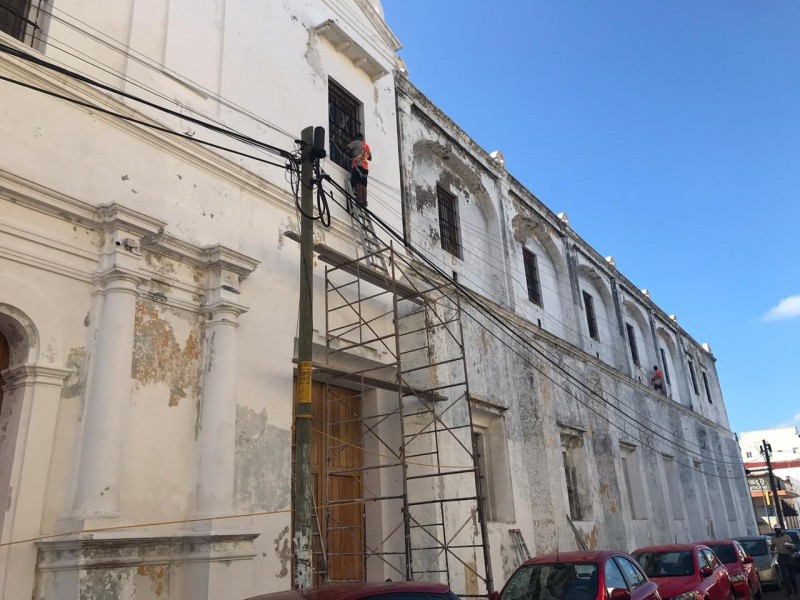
x: 744, y: 575
x: 686, y: 572
x: 407, y: 590
x: 579, y: 576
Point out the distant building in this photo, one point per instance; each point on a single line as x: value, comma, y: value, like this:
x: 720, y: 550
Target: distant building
x: 785, y: 443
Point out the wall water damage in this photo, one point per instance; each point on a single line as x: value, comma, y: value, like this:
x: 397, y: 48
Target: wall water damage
x: 160, y: 357
x: 263, y: 462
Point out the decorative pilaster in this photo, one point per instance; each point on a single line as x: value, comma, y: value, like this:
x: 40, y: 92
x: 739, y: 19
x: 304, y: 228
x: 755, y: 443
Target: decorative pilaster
x: 217, y: 435
x: 108, y: 397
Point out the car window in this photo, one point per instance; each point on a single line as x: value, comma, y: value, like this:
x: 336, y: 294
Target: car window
x: 613, y: 576
x: 631, y: 572
x: 756, y: 547
x: 725, y: 552
x: 702, y: 561
x: 740, y: 551
x: 674, y: 563
x: 713, y: 561
x: 795, y: 537
x: 556, y: 581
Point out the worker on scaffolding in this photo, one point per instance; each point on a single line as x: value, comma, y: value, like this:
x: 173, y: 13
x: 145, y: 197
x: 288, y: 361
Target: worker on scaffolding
x: 360, y: 154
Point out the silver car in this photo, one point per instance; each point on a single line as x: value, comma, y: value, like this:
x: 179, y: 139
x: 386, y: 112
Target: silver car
x: 765, y: 561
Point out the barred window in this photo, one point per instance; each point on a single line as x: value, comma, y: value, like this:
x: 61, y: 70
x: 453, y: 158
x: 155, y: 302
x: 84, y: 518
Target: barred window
x: 343, y: 123
x: 666, y: 365
x: 532, y: 276
x: 708, y: 390
x: 632, y: 343
x: 692, y: 375
x: 14, y: 17
x: 448, y: 222
x: 591, y: 318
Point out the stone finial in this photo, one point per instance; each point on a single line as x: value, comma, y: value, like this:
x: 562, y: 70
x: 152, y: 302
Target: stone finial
x: 707, y: 347
x: 610, y: 260
x: 401, y: 67
x: 674, y: 318
x: 498, y: 157
x: 564, y: 218
x: 646, y: 292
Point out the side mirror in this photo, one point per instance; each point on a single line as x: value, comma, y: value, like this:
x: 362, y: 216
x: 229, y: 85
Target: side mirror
x: 706, y: 572
x: 748, y: 560
x: 494, y: 596
x: 620, y: 594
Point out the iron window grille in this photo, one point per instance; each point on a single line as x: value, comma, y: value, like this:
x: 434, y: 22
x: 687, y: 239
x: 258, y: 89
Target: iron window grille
x: 694, y: 379
x: 666, y: 366
x: 15, y: 18
x: 591, y: 318
x: 343, y: 123
x: 705, y: 385
x: 448, y: 222
x: 632, y: 344
x: 532, y: 276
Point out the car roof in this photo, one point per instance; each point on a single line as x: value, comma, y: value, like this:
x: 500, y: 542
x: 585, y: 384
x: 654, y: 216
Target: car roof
x: 718, y: 542
x: 747, y: 538
x: 670, y: 548
x: 573, y: 557
x: 354, y: 591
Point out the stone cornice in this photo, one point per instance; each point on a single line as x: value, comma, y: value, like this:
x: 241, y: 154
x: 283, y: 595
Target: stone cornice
x: 87, y: 551
x: 221, y: 257
x: 34, y: 375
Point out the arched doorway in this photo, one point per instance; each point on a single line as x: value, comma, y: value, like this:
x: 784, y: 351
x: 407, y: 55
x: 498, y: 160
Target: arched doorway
x: 4, y: 361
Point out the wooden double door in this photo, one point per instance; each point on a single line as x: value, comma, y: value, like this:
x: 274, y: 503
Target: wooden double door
x: 336, y: 457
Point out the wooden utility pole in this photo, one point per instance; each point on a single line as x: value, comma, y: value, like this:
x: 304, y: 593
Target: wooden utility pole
x: 303, y: 509
x: 766, y: 450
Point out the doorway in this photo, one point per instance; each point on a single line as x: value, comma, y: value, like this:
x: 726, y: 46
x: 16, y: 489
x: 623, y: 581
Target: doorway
x: 336, y: 460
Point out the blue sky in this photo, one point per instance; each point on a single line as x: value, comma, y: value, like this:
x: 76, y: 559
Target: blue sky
x: 669, y: 131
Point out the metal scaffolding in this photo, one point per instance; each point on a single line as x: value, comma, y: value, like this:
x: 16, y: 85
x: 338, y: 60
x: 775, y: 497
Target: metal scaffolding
x: 402, y: 492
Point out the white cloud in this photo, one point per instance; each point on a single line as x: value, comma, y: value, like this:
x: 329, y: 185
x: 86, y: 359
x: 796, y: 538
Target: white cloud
x: 794, y: 421
x: 788, y: 308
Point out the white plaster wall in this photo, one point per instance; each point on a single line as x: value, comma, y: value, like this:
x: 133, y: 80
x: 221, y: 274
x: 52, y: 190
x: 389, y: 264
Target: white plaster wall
x: 261, y: 57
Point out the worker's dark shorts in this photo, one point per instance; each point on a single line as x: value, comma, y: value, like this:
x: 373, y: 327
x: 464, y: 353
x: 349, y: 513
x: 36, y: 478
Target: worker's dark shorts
x: 358, y: 176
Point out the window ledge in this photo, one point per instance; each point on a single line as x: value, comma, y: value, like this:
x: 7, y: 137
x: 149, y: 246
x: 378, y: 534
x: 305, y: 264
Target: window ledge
x: 345, y: 44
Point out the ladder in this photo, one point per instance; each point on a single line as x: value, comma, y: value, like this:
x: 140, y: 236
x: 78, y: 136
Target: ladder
x: 364, y: 233
x: 520, y: 547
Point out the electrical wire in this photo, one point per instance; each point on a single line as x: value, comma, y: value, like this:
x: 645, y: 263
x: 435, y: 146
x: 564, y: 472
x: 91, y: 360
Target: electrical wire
x: 657, y: 425
x: 117, y: 115
x: 130, y: 53
x: 487, y: 311
x: 107, y: 88
x: 323, y: 211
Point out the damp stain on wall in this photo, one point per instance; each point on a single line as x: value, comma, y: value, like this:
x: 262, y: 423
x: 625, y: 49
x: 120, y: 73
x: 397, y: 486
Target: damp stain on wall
x: 262, y: 463
x: 158, y: 356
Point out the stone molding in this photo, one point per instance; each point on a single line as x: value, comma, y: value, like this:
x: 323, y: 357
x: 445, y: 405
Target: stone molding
x: 87, y: 552
x: 34, y: 375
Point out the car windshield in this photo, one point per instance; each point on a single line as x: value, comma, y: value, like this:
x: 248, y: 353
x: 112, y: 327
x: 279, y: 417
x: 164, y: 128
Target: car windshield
x: 724, y: 552
x: 755, y: 547
x: 666, y: 564
x: 794, y: 535
x: 558, y: 581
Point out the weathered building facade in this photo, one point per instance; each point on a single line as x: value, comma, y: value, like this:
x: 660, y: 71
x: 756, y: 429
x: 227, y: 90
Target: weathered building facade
x: 588, y: 438
x: 148, y: 327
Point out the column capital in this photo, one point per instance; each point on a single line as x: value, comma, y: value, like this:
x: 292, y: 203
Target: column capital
x: 220, y: 307
x: 34, y: 375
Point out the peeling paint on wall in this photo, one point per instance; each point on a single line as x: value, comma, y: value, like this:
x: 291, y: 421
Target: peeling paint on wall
x: 263, y: 462
x: 283, y: 551
x: 158, y: 357
x: 75, y: 383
